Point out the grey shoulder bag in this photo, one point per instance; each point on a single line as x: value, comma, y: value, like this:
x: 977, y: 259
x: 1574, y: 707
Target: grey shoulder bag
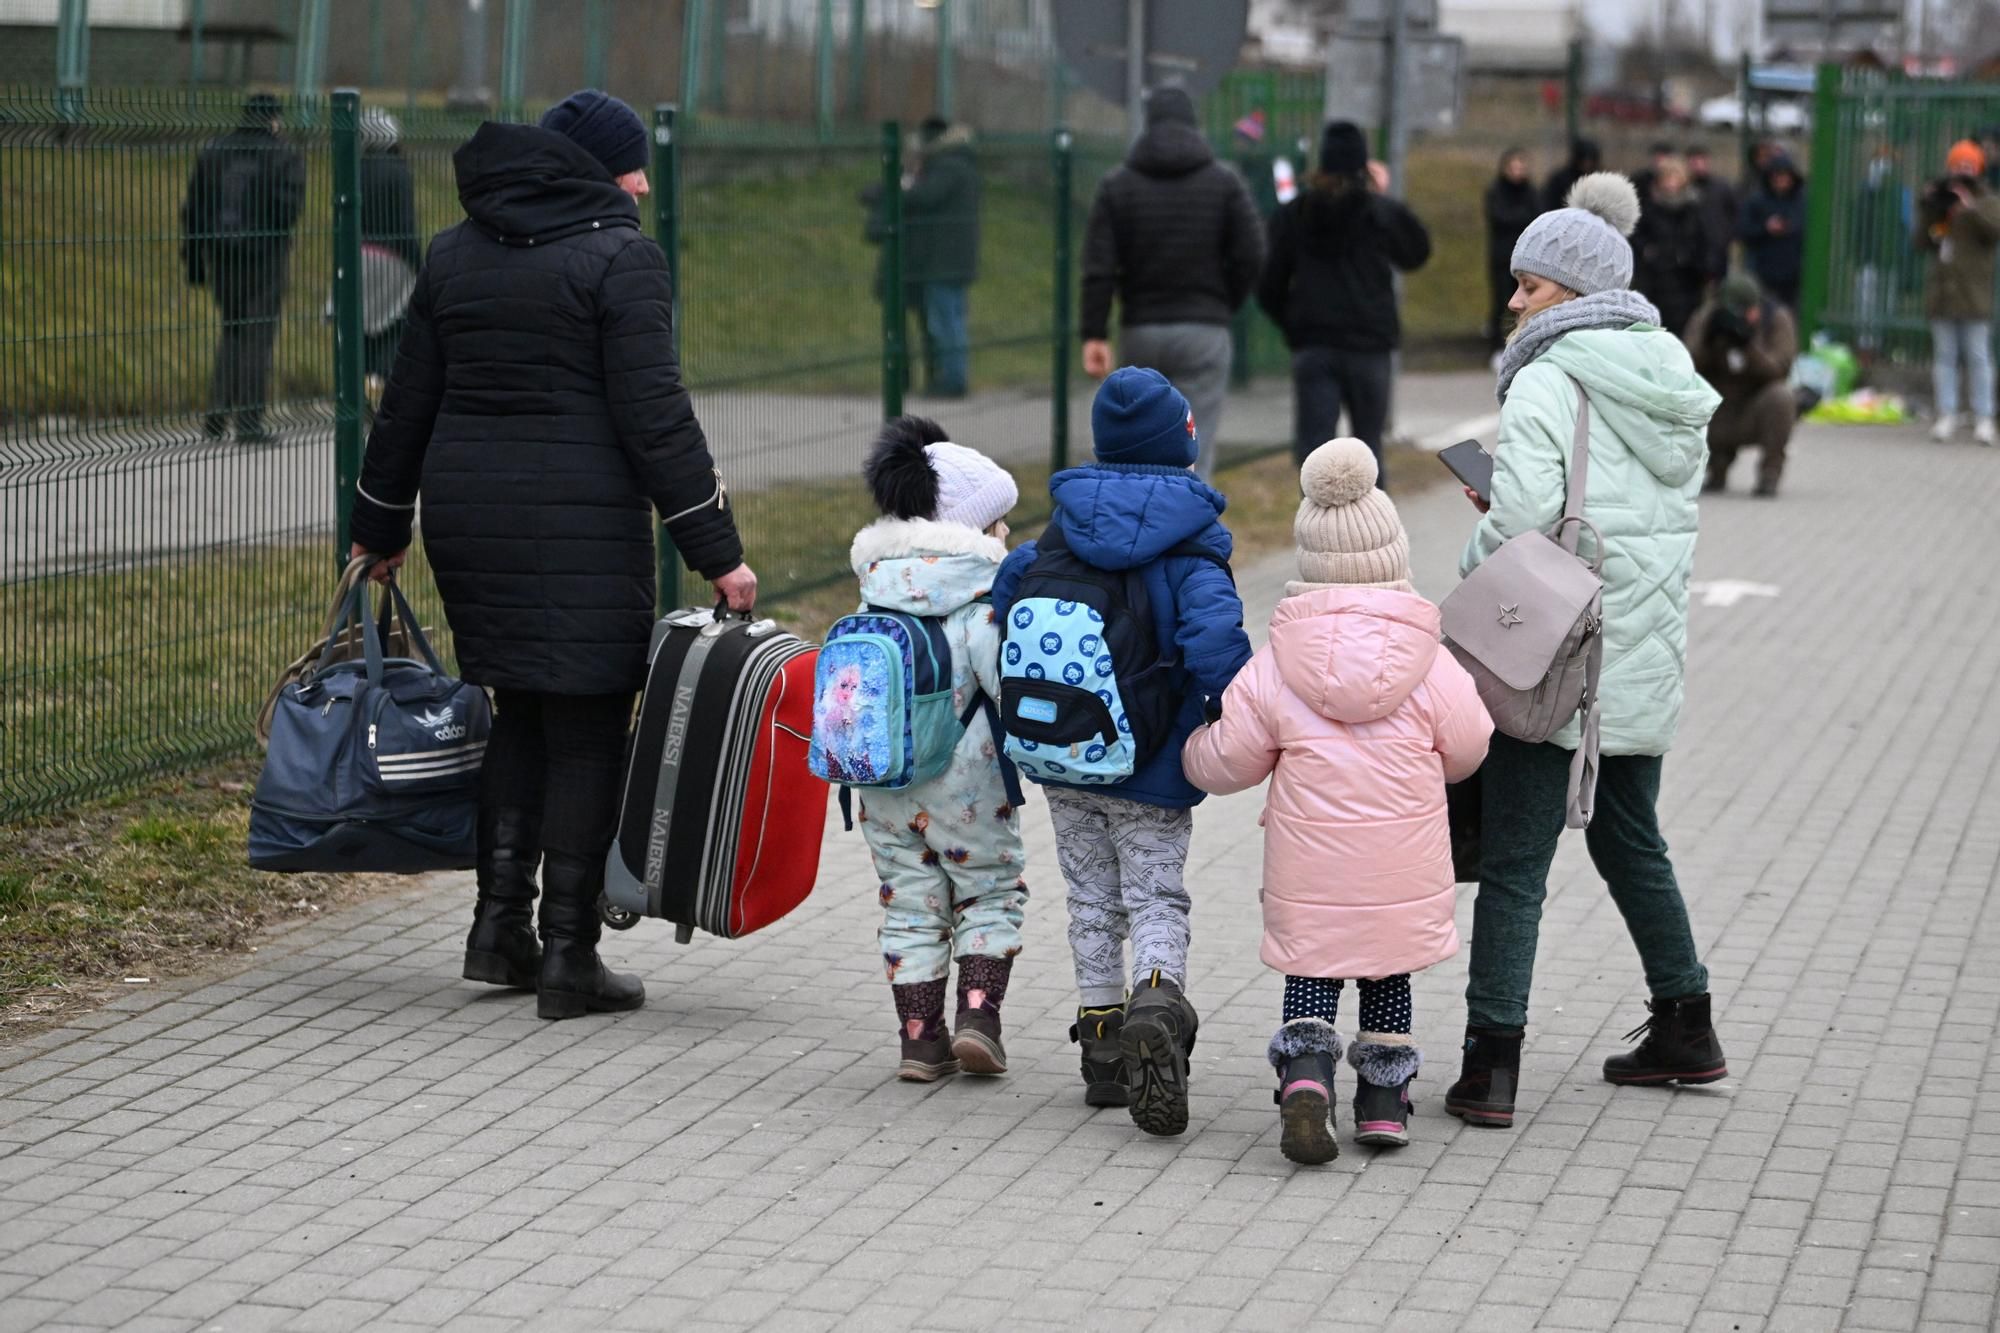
x: 1528, y: 624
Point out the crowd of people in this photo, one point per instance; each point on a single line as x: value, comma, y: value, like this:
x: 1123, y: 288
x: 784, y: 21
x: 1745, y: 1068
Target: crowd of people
x: 536, y: 409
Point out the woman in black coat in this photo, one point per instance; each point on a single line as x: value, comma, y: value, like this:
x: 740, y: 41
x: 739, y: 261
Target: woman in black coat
x: 1671, y: 247
x: 537, y: 404
x: 1512, y: 202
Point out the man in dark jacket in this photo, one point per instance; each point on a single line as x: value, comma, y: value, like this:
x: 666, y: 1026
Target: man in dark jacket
x: 388, y: 225
x: 1174, y: 235
x: 1772, y: 228
x: 1584, y: 157
x: 941, y: 250
x: 1512, y: 202
x: 537, y: 404
x: 1330, y: 285
x: 1744, y: 346
x: 236, y: 238
x: 1718, y: 209
x: 1670, y: 246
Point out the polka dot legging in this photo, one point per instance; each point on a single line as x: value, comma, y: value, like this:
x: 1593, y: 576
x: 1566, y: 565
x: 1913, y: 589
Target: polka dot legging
x: 1385, y: 1004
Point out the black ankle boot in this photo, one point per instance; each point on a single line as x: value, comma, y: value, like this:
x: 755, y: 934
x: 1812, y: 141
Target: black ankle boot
x: 574, y: 981
x: 982, y: 985
x: 501, y: 948
x: 1158, y: 1037
x: 1679, y: 1046
x: 1488, y: 1079
x: 1097, y: 1032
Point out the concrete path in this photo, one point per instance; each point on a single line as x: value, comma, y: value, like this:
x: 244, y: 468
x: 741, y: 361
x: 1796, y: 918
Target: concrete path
x: 343, y: 1135
x: 74, y: 500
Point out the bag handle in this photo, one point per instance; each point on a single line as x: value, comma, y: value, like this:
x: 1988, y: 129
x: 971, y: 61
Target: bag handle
x: 1582, y: 802
x: 373, y: 634
x: 1571, y: 528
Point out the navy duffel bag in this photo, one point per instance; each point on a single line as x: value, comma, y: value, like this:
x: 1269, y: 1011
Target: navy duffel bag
x: 373, y: 764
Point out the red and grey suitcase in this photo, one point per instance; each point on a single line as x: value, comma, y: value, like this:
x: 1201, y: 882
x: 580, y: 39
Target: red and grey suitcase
x: 719, y: 825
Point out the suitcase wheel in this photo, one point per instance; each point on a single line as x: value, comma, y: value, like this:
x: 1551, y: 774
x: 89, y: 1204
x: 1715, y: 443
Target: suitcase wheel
x: 618, y: 918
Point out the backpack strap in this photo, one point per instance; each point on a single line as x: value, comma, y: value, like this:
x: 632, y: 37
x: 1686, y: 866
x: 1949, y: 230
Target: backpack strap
x: 846, y: 808
x: 1010, y: 777
x: 1582, y: 800
x: 1571, y: 529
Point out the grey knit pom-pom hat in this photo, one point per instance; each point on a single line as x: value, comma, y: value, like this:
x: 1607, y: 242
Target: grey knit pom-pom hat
x: 1583, y: 246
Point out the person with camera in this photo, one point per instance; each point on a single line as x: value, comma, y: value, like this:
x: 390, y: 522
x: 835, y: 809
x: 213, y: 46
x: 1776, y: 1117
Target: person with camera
x: 1958, y: 226
x: 1744, y: 344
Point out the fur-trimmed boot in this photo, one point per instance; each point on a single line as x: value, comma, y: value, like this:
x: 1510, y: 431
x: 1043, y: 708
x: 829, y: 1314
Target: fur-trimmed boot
x: 1679, y: 1046
x: 982, y: 985
x: 1156, y: 1041
x: 1386, y: 1062
x: 1488, y: 1078
x: 1097, y: 1032
x: 1304, y: 1052
x: 501, y: 948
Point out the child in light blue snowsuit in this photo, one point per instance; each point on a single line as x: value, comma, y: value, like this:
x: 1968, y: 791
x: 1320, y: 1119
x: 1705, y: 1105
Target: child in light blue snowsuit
x: 948, y: 851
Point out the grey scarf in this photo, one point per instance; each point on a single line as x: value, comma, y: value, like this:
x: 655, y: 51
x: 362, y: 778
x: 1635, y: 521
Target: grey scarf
x: 1614, y: 309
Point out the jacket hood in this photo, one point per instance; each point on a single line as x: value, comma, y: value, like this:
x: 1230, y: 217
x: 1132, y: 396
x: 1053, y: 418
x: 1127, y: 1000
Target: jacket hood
x: 1122, y: 517
x: 1644, y: 383
x: 1169, y: 148
x: 923, y: 567
x: 956, y: 136
x: 1354, y: 654
x: 1786, y: 165
x: 521, y: 184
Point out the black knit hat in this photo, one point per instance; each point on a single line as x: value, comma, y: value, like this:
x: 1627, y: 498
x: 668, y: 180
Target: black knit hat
x: 1343, y: 149
x: 602, y: 126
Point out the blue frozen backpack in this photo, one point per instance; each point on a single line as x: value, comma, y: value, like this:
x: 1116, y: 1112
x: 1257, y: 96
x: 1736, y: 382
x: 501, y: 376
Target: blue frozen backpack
x: 1088, y: 694
x: 882, y: 714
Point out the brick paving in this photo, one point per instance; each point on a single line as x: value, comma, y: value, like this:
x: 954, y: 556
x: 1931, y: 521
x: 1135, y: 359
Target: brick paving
x: 344, y: 1135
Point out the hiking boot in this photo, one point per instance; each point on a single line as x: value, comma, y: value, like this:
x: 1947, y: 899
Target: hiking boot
x: 976, y: 1042
x: 927, y: 1059
x: 574, y: 980
x: 1156, y: 1041
x: 1304, y: 1052
x: 1382, y: 1098
x: 501, y: 948
x: 1679, y: 1046
x: 1097, y: 1031
x: 1488, y: 1078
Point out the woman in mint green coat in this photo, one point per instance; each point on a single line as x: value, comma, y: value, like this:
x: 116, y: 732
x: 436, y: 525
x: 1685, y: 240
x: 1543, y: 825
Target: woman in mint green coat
x: 1580, y: 324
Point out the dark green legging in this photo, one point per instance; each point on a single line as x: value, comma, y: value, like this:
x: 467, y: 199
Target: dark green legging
x: 1524, y: 789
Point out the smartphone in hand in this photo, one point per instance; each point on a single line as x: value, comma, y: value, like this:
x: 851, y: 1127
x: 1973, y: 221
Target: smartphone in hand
x: 1472, y: 465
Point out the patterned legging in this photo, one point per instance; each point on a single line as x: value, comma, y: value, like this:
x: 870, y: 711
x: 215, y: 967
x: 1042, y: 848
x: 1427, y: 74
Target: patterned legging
x: 1385, y: 1004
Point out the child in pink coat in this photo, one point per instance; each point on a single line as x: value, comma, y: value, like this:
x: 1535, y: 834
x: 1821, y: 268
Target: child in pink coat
x: 1359, y: 717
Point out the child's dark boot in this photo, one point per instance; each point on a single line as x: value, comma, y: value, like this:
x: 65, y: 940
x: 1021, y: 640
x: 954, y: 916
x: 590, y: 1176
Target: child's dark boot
x: 927, y: 1053
x: 1488, y: 1078
x: 1386, y: 1062
x: 982, y: 985
x: 1304, y: 1052
x: 1097, y: 1032
x: 1157, y: 1039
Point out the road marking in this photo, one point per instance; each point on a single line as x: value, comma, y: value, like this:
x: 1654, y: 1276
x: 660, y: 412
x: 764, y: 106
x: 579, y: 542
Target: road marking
x: 1728, y: 592
x: 1472, y: 428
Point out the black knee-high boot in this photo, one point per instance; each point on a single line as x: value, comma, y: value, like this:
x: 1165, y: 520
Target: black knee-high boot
x: 501, y: 947
x: 574, y: 981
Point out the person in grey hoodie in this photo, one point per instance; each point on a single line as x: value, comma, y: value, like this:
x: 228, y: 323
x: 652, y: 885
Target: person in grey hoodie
x: 1174, y: 236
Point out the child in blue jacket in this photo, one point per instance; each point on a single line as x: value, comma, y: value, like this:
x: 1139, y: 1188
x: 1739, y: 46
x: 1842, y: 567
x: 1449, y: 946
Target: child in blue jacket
x: 1123, y: 847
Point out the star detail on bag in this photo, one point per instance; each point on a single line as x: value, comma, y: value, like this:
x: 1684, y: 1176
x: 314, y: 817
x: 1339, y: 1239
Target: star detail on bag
x: 1510, y: 616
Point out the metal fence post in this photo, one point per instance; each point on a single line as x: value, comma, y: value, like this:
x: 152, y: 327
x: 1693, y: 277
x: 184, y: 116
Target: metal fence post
x: 823, y: 70
x: 596, y: 45
x: 667, y: 226
x: 1064, y: 168
x: 377, y: 44
x: 348, y: 388
x: 947, y: 72
x: 895, y: 356
x: 309, y: 50
x: 1820, y: 198
x: 72, y: 57
x: 514, y: 57
x: 197, y: 31
x: 857, y: 59
x: 1572, y: 92
x: 691, y: 31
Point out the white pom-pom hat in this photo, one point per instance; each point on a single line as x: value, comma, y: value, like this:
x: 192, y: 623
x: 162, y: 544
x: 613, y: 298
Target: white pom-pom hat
x: 1348, y: 532
x: 1583, y: 246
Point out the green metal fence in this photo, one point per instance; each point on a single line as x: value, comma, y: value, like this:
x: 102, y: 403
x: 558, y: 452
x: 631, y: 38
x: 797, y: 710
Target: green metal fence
x: 169, y: 520
x: 1879, y: 143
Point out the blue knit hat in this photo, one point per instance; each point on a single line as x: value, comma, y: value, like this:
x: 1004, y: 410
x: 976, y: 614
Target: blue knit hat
x: 602, y: 126
x: 1140, y: 418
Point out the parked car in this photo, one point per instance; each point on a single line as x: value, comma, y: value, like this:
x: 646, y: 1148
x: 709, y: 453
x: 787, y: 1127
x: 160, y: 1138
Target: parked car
x: 1768, y: 117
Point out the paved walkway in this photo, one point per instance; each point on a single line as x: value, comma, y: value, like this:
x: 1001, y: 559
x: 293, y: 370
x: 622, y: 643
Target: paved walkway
x: 346, y: 1136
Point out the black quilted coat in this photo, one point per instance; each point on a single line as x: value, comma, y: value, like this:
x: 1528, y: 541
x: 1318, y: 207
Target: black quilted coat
x: 537, y: 403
